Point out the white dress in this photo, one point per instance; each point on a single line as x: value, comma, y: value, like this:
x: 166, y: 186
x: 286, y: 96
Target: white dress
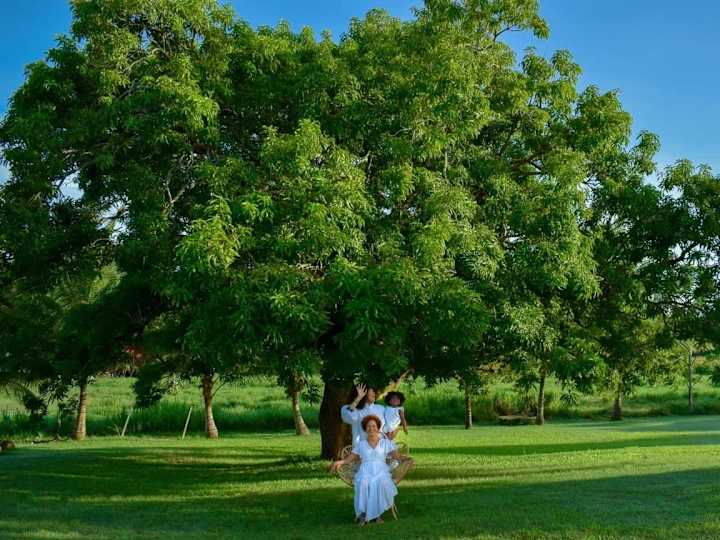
x: 392, y: 418
x: 355, y: 417
x: 374, y: 488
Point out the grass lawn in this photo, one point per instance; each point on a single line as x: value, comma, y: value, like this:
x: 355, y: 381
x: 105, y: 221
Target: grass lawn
x: 641, y: 478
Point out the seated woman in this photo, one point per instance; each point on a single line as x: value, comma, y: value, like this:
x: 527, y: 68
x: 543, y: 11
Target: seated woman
x: 362, y: 405
x: 374, y: 487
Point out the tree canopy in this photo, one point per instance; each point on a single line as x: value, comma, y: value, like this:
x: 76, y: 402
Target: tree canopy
x: 408, y: 198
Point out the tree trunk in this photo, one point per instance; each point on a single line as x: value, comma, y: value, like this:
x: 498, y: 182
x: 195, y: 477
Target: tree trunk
x: 540, y: 417
x: 81, y: 423
x: 468, y: 408
x: 211, y: 429
x: 334, y: 433
x: 691, y: 399
x: 300, y: 426
x: 617, y: 407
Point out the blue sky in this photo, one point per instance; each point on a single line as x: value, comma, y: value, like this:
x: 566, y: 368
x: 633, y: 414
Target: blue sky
x: 661, y: 54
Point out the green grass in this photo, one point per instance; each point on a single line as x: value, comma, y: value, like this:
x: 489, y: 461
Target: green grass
x: 259, y: 405
x: 642, y: 478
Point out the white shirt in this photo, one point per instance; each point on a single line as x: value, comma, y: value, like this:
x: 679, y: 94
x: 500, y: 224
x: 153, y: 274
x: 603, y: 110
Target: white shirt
x: 392, y: 418
x: 355, y: 417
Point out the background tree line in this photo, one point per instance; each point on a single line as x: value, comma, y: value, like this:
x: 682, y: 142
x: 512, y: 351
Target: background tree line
x: 407, y: 200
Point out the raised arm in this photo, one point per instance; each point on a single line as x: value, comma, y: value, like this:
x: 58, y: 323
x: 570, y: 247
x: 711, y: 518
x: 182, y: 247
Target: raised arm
x: 349, y: 413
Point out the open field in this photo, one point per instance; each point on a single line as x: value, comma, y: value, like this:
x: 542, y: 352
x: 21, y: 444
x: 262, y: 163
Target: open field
x: 647, y: 478
x: 260, y: 405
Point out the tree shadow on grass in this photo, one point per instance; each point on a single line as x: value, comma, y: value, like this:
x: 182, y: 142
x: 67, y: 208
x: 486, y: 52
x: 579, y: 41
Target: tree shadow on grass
x: 704, y: 423
x: 114, y: 474
x: 117, y: 471
x: 170, y: 504
x: 253, y: 491
x: 647, y: 504
x: 536, y: 449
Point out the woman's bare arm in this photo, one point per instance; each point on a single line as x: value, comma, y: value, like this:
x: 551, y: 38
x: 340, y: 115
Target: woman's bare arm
x: 335, y: 465
x: 403, y: 421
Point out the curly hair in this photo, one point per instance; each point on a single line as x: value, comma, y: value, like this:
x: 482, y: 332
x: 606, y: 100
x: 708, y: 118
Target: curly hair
x: 367, y: 419
x: 393, y: 394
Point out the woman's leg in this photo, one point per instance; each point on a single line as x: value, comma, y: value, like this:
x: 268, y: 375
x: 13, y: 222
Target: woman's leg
x: 381, y: 496
x: 361, y: 501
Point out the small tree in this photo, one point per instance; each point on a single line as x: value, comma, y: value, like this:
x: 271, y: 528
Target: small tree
x: 295, y: 377
x: 99, y: 318
x: 472, y: 385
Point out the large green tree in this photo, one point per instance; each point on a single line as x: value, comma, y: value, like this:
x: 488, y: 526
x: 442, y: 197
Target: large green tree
x: 406, y: 199
x: 655, y: 244
x: 124, y: 107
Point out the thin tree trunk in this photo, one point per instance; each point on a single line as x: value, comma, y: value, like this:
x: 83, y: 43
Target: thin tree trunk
x: 300, y: 426
x: 211, y: 429
x: 691, y: 398
x: 617, y: 407
x: 81, y: 423
x: 468, y: 408
x: 334, y: 433
x: 540, y: 417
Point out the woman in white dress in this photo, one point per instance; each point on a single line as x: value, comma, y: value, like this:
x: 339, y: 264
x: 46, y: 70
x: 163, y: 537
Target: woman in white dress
x: 375, y: 489
x: 361, y: 406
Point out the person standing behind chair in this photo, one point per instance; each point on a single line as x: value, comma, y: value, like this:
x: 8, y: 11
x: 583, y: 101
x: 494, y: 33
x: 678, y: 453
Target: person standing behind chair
x: 362, y: 405
x: 394, y: 414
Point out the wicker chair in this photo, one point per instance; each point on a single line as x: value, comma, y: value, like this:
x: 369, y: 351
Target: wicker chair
x: 346, y: 473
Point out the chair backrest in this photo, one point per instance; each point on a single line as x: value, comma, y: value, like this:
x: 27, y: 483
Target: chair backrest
x: 346, y: 473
